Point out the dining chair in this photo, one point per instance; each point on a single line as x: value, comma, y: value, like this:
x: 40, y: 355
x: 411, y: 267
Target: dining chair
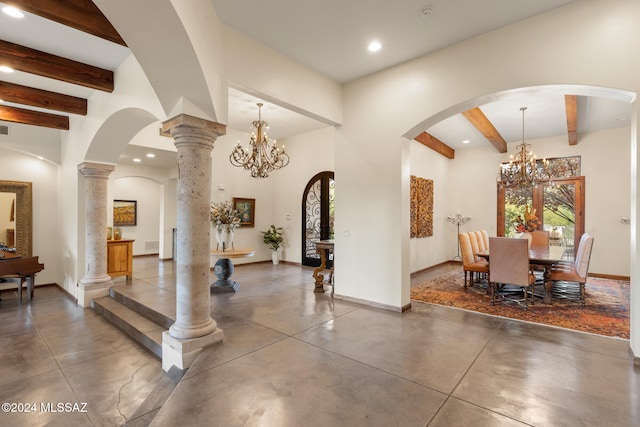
x: 563, y: 274
x: 474, y: 244
x: 485, y: 237
x: 539, y: 238
x: 469, y: 263
x: 480, y: 239
x: 509, y: 268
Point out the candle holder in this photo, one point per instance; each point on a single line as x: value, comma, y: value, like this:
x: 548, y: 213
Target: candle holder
x: 458, y: 220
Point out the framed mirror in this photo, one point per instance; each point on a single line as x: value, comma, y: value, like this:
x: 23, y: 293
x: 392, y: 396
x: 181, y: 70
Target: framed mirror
x: 23, y: 214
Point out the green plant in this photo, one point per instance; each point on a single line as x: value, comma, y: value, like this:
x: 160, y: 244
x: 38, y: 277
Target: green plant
x: 273, y: 237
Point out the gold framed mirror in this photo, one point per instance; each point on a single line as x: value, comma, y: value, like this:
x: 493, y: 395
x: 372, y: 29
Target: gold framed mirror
x: 24, y: 214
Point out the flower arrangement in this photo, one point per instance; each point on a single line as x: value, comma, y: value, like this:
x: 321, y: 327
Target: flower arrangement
x: 530, y: 221
x: 223, y: 213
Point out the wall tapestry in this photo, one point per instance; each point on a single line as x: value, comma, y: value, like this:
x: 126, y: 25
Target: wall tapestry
x: 421, y: 194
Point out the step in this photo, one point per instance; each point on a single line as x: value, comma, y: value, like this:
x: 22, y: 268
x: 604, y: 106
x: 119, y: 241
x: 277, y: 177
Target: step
x: 142, y: 329
x: 149, y: 313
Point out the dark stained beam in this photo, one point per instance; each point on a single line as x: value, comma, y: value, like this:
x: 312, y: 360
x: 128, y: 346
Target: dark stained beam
x: 436, y: 145
x: 571, y: 105
x: 55, y: 67
x: 82, y: 15
x: 36, y: 118
x: 25, y: 95
x: 482, y: 123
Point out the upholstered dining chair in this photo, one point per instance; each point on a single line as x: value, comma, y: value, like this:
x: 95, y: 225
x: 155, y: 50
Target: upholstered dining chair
x: 469, y: 263
x: 480, y: 238
x: 539, y: 238
x: 575, y: 272
x: 474, y: 244
x: 510, y: 266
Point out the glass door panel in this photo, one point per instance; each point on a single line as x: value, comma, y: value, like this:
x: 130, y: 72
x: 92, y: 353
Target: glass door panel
x: 559, y: 215
x: 515, y: 199
x: 318, y: 212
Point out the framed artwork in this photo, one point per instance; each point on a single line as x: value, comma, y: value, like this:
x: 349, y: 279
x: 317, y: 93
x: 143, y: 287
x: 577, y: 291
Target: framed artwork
x: 247, y: 209
x: 125, y: 213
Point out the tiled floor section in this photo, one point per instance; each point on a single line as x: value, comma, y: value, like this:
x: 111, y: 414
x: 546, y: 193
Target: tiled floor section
x: 291, y: 357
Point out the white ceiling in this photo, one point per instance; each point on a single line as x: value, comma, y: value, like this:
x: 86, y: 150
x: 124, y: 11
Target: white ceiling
x: 331, y: 37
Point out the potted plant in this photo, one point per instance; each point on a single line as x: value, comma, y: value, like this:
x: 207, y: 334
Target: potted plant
x: 273, y: 238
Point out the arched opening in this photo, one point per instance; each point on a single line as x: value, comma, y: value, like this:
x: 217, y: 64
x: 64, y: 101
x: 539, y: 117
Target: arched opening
x: 318, y: 209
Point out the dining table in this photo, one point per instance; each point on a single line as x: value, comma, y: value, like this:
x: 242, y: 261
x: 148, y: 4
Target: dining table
x: 543, y: 256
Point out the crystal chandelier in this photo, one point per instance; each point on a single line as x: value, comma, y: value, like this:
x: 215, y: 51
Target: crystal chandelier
x: 523, y: 169
x: 261, y: 158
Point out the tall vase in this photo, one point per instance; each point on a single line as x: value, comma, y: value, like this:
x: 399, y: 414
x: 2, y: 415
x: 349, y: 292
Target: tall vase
x: 224, y: 236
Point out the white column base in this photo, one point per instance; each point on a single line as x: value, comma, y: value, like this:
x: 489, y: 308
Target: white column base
x: 89, y: 291
x: 182, y: 352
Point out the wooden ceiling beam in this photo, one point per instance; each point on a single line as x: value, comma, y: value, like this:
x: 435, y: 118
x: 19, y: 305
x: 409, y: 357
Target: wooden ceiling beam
x: 477, y: 118
x: 11, y: 92
x: 82, y: 15
x: 571, y: 105
x: 44, y: 64
x: 436, y: 145
x: 36, y: 118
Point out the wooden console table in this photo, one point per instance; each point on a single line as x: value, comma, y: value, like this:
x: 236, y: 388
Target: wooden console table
x: 120, y: 258
x: 223, y: 269
x: 322, y: 247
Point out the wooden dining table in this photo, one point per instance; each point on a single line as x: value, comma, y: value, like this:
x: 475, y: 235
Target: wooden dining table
x: 544, y: 256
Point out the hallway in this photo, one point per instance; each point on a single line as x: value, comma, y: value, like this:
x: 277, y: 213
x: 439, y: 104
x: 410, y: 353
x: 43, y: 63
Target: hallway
x: 291, y: 357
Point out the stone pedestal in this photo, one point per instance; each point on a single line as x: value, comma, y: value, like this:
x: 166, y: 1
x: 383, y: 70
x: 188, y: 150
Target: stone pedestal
x: 194, y: 328
x: 96, y: 281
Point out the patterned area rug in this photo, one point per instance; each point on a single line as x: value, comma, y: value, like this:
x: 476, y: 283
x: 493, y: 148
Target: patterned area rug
x: 606, y: 311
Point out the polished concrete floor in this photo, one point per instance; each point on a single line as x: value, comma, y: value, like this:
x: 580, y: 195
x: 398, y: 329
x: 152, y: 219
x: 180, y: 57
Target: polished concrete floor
x: 291, y: 357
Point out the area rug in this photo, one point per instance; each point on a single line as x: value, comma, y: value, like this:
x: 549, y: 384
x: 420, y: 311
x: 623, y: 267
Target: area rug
x: 606, y: 311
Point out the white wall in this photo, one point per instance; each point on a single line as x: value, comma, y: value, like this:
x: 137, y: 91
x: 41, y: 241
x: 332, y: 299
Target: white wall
x: 428, y: 251
x: 228, y: 181
x: 46, y: 237
x: 311, y: 153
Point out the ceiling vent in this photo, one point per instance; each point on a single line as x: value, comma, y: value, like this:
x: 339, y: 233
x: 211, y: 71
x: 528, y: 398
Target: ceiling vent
x: 4, y: 130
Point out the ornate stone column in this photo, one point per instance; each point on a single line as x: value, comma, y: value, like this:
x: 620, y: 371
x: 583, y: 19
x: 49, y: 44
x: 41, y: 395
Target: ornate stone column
x: 194, y: 328
x: 96, y: 281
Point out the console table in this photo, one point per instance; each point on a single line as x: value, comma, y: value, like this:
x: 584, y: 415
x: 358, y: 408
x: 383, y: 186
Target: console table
x: 223, y: 269
x: 322, y: 247
x: 120, y: 258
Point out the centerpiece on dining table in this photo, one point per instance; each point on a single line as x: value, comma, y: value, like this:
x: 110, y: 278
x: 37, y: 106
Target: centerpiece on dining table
x: 529, y: 223
x: 224, y: 220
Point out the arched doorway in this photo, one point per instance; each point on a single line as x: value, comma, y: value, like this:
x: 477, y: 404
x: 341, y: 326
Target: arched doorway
x: 318, y: 201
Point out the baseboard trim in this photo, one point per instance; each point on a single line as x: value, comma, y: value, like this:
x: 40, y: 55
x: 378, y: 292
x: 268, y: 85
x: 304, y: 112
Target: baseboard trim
x: 373, y: 304
x: 610, y: 276
x: 636, y: 359
x: 449, y: 261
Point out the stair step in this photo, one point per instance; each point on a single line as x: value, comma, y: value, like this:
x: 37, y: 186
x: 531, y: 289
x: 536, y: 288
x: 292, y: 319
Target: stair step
x: 140, y: 308
x: 142, y: 329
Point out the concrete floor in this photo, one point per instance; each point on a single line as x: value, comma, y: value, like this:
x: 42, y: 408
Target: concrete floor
x: 291, y: 357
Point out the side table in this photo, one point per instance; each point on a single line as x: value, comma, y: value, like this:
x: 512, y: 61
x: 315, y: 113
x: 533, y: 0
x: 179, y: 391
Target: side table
x: 223, y: 269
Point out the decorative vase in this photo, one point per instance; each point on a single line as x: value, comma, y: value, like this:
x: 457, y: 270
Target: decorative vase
x: 275, y: 257
x: 109, y: 233
x: 224, y: 236
x: 117, y: 233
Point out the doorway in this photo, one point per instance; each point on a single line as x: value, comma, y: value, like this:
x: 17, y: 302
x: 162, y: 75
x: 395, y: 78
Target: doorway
x: 559, y: 206
x: 318, y: 212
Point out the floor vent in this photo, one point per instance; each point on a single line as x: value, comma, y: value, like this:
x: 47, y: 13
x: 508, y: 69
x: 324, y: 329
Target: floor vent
x: 4, y: 130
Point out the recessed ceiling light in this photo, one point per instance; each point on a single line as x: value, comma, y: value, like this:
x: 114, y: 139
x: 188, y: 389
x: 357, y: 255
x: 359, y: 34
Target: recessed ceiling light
x: 466, y: 141
x: 374, y: 46
x: 151, y: 155
x: 13, y: 12
x: 137, y: 160
x: 6, y: 69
